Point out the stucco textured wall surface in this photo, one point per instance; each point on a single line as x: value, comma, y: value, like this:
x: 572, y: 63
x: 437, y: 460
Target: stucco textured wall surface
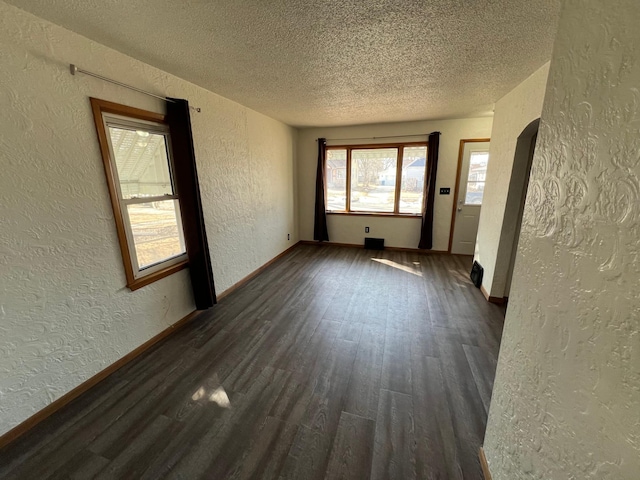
x: 65, y: 312
x: 397, y: 232
x: 566, y: 400
x: 512, y: 114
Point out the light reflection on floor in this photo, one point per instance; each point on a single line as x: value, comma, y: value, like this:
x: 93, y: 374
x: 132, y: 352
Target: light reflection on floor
x: 399, y: 266
x: 217, y: 395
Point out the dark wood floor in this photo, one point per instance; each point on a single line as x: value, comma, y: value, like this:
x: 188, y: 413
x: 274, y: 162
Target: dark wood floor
x: 333, y: 363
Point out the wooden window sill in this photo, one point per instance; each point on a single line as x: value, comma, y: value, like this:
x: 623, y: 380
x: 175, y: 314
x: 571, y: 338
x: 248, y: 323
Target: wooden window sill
x: 157, y: 275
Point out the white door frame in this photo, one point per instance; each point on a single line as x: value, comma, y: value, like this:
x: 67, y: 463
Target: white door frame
x: 457, y: 185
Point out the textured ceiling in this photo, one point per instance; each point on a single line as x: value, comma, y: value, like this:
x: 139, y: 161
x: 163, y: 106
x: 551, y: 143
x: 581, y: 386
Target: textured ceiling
x: 321, y: 63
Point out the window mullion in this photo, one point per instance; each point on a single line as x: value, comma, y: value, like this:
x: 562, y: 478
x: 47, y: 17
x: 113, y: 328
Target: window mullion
x: 396, y: 202
x: 136, y: 200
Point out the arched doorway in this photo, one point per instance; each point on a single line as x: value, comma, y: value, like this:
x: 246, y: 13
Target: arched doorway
x: 518, y: 185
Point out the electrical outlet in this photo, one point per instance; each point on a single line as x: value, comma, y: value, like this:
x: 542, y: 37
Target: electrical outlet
x: 288, y: 236
x: 366, y: 229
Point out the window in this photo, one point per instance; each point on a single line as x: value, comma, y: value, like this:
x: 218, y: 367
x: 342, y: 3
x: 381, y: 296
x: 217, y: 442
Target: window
x: 136, y: 151
x: 381, y: 179
x: 477, y: 175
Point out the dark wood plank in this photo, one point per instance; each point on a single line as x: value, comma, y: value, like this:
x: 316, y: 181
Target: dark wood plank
x: 308, y: 456
x: 373, y: 335
x: 350, y: 331
x: 468, y: 412
x: 85, y: 465
x: 483, y: 367
x: 364, y: 385
x: 327, y: 401
x: 332, y: 362
x: 293, y: 400
x: 140, y: 452
x: 352, y: 449
x: 201, y: 425
x: 396, y: 365
x: 436, y: 452
x: 309, y: 357
x: 221, y: 450
x: 260, y: 453
x: 394, y: 454
x: 30, y: 449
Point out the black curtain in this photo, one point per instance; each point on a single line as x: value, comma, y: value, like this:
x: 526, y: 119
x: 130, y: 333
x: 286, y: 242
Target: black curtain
x: 426, y: 233
x: 320, y: 231
x: 186, y: 178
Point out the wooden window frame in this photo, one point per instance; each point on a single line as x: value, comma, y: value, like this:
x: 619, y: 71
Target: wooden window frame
x: 135, y: 279
x: 398, y: 185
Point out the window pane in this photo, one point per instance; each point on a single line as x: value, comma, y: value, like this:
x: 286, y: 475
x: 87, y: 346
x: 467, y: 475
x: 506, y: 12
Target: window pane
x: 414, y: 161
x: 157, y: 234
x: 336, y: 172
x: 477, y: 175
x: 478, y: 166
x: 475, y: 191
x: 142, y: 163
x: 373, y: 179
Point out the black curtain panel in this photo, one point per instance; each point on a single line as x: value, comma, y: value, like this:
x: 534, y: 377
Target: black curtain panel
x: 186, y: 178
x: 320, y: 231
x: 426, y: 233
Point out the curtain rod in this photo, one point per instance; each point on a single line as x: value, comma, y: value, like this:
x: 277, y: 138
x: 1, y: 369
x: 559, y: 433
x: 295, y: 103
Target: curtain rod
x: 74, y: 69
x: 376, y: 138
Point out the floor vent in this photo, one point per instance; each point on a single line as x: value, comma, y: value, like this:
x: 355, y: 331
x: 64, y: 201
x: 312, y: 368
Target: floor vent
x: 476, y: 274
x: 374, y: 243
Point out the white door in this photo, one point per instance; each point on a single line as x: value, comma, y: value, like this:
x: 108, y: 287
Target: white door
x: 473, y: 173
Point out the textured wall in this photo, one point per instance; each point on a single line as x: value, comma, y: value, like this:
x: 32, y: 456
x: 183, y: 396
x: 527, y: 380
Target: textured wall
x: 566, y: 400
x: 65, y: 313
x: 512, y: 114
x: 398, y: 232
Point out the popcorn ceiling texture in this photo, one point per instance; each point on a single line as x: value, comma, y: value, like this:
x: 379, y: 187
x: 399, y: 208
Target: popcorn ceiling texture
x: 513, y: 113
x: 566, y: 399
x: 65, y: 312
x: 319, y: 63
x: 397, y: 232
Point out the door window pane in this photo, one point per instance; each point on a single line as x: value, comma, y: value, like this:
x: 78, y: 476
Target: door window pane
x: 142, y: 162
x: 157, y: 231
x: 475, y: 192
x: 373, y: 179
x: 478, y: 162
x: 414, y: 161
x: 336, y: 175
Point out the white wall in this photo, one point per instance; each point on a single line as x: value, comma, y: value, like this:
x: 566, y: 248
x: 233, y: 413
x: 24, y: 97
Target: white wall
x: 512, y: 114
x: 65, y: 312
x: 566, y: 400
x: 397, y: 232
